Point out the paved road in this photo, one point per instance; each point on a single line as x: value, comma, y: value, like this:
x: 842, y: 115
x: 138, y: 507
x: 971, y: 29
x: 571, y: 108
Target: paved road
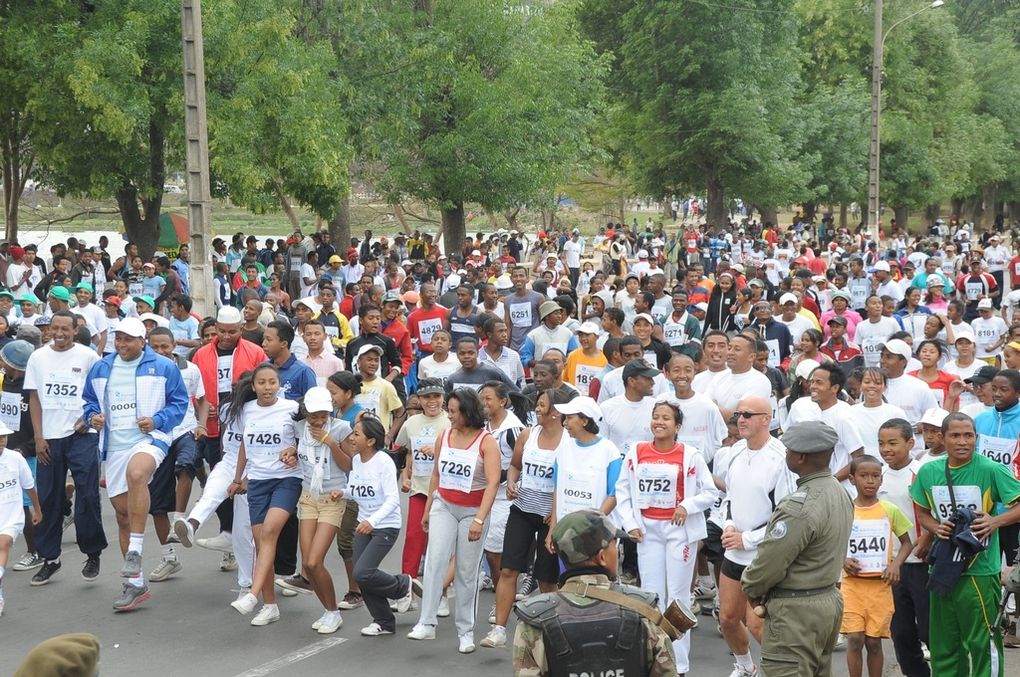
x: 188, y: 629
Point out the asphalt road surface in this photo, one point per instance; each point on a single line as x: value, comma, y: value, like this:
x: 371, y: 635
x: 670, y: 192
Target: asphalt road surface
x: 189, y: 629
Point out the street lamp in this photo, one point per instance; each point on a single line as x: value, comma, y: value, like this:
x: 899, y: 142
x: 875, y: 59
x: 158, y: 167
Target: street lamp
x: 872, y: 215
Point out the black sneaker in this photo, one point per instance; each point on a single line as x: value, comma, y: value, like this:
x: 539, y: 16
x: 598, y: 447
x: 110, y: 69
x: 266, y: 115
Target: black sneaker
x: 90, y: 571
x: 42, y: 577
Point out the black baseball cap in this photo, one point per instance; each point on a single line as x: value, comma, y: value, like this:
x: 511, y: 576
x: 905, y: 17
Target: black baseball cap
x: 638, y: 368
x: 982, y: 376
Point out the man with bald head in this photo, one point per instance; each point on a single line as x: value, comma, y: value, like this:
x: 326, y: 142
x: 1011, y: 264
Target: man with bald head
x: 755, y: 478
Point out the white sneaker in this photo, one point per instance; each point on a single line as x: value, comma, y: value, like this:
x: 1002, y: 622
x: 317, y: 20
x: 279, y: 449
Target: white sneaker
x: 485, y: 582
x: 444, y: 607
x: 218, y: 542
x: 269, y: 613
x: 495, y: 639
x: 403, y: 605
x: 740, y: 671
x: 492, y: 614
x: 165, y: 569
x: 373, y: 630
x: 185, y: 532
x: 704, y: 592
x: 317, y: 624
x: 421, y: 631
x: 926, y: 652
x: 467, y: 643
x: 245, y: 603
x: 331, y: 622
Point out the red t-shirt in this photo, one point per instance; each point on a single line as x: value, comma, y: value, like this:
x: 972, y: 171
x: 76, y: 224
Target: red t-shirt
x: 655, y: 477
x: 422, y: 324
x: 939, y: 385
x: 1014, y: 272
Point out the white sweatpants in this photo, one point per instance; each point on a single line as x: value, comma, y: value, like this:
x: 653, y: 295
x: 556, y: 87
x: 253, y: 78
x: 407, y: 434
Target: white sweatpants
x: 448, y: 537
x: 666, y: 562
x: 215, y: 492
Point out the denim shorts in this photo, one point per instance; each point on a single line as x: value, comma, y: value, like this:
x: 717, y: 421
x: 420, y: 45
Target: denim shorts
x: 282, y: 493
x: 25, y: 500
x: 185, y: 451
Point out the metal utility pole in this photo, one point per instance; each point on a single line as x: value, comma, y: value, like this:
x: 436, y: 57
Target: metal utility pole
x: 871, y: 217
x: 196, y: 135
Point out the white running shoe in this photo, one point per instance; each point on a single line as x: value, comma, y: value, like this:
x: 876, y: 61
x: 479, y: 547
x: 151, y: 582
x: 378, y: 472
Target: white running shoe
x: 227, y: 562
x: 28, y: 562
x: 421, y: 631
x: 444, y: 607
x: 403, y: 605
x: 331, y: 622
x: 492, y: 614
x: 165, y: 569
x: 318, y: 623
x: 740, y: 671
x: 495, y: 639
x: 373, y: 630
x: 269, y: 613
x: 185, y: 532
x: 467, y: 643
x: 485, y: 582
x: 703, y: 592
x: 218, y: 542
x: 245, y: 603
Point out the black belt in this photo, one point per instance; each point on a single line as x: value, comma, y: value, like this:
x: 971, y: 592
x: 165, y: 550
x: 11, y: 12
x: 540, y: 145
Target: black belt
x: 779, y: 593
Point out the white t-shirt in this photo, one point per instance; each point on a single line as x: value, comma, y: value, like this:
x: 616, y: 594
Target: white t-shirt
x: 15, y: 477
x: 572, y: 250
x: 703, y: 380
x: 912, y: 395
x: 307, y: 272
x: 755, y: 483
x: 373, y: 486
x: 268, y: 431
x: 703, y: 426
x: 728, y: 388
x: 987, y: 333
x: 1011, y: 302
x: 954, y: 368
x: 95, y: 319
x: 612, y: 385
x: 429, y: 368
x: 891, y: 289
x: 626, y: 423
x: 797, y: 326
x: 867, y: 421
x: 869, y: 336
x: 836, y: 417
x: 192, y: 378
x: 59, y: 380
x: 896, y: 489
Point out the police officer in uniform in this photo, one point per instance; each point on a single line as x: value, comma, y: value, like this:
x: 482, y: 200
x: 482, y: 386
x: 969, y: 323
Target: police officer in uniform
x: 563, y: 633
x: 795, y: 572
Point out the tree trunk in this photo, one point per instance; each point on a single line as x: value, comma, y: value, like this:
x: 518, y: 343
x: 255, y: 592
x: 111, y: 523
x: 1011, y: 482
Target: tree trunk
x: 809, y: 209
x: 766, y: 214
x: 931, y: 212
x: 842, y: 215
x: 493, y: 223
x: 716, y: 194
x: 340, y: 225
x: 987, y: 218
x: 140, y: 217
x: 285, y: 204
x: 956, y: 204
x: 398, y: 213
x: 511, y: 217
x: 1013, y: 210
x: 901, y: 214
x: 453, y: 229
x: 17, y: 161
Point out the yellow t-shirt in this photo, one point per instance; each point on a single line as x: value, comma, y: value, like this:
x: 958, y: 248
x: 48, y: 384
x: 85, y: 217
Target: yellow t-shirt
x: 579, y: 369
x: 872, y: 535
x: 380, y: 397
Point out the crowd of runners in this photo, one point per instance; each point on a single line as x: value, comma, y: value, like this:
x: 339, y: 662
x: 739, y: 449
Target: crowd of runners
x: 378, y: 392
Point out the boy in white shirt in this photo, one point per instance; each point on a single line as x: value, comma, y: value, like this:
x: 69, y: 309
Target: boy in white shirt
x: 15, y: 477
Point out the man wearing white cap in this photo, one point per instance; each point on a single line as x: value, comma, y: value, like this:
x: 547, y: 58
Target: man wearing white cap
x: 882, y: 283
x: 909, y: 393
x: 641, y: 267
x: 990, y: 333
x: 789, y: 304
x: 874, y: 331
x: 221, y: 362
x: 54, y: 379
x: 135, y: 398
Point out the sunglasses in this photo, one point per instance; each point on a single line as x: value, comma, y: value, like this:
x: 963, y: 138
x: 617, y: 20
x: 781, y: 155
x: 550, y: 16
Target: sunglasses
x: 749, y: 414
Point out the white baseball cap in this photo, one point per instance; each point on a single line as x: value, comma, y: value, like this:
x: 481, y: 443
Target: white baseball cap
x: 882, y: 265
x: 934, y: 416
x: 369, y: 347
x: 588, y: 328
x: 644, y: 316
x: 581, y: 405
x: 898, y: 347
x: 642, y: 254
x: 318, y: 399
x: 131, y: 326
x: 787, y: 298
x: 985, y: 304
x: 805, y: 367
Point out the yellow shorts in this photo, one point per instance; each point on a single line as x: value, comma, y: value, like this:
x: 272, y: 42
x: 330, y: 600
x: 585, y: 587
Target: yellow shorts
x: 324, y: 511
x: 867, y: 606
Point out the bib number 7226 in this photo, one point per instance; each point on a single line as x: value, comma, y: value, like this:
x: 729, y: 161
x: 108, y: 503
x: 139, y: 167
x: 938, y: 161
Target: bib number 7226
x: 454, y: 469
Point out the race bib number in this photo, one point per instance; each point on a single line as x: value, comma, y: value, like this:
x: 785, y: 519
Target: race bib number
x: 967, y: 496
x: 262, y: 439
x: 365, y: 492
x: 426, y: 328
x: 422, y: 463
x: 872, y: 347
x: 10, y: 411
x: 657, y: 485
x: 773, y: 345
x: 858, y: 296
x: 332, y: 332
x: 1016, y: 269
x: 369, y: 400
x: 123, y: 410
x: 651, y: 358
x: 60, y: 391
x: 224, y: 373
x: 537, y: 470
x: 9, y: 489
x: 576, y: 491
x: 674, y: 334
x: 869, y: 545
x: 457, y: 469
x: 520, y: 314
x: 295, y: 264
x: 584, y: 375
x: 973, y: 290
x: 311, y: 455
x: 999, y: 449
x: 136, y: 289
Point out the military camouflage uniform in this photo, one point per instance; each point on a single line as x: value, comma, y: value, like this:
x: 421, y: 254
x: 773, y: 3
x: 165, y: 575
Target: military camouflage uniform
x: 529, y: 652
x: 796, y: 568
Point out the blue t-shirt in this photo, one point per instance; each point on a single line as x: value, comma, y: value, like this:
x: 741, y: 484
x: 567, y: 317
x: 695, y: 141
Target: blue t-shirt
x: 186, y: 329
x: 152, y: 286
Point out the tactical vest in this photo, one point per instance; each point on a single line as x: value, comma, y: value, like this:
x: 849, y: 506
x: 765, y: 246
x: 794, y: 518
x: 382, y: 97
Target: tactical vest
x: 593, y: 640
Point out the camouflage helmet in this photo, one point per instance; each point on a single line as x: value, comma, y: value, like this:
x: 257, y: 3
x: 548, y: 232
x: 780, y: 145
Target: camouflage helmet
x: 582, y: 535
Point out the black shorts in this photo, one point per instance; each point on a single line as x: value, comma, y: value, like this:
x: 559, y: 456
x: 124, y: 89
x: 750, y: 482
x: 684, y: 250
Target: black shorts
x: 522, y: 528
x: 163, y: 486
x: 732, y: 570
x: 712, y: 547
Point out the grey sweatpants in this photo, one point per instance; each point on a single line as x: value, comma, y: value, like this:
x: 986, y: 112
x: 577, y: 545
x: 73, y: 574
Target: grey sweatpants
x: 377, y: 586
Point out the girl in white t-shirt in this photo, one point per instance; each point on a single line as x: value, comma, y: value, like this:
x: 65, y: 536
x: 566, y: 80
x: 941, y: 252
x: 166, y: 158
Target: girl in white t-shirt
x: 15, y: 477
x: 267, y: 425
x: 872, y: 411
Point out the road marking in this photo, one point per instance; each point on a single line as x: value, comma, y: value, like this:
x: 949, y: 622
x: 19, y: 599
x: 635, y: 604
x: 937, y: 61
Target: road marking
x: 293, y: 657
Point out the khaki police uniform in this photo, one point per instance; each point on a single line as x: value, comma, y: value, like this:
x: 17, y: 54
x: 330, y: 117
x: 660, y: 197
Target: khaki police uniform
x: 799, y: 564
